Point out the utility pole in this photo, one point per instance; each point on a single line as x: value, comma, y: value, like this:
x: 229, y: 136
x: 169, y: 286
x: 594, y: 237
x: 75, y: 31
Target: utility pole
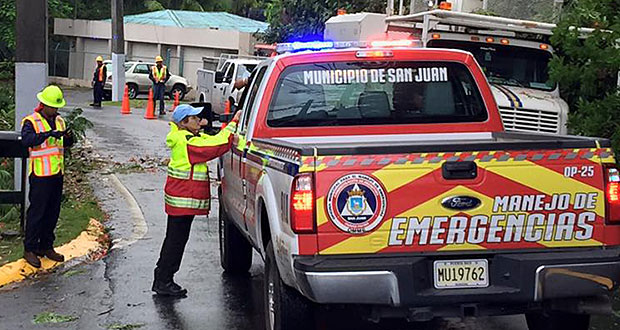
x: 118, y: 51
x: 30, y: 61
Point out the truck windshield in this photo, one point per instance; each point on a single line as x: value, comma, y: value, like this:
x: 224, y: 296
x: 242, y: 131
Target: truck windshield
x: 507, y: 65
x: 375, y: 93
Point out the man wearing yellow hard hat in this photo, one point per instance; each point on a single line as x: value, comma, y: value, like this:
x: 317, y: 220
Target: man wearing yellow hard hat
x: 99, y: 77
x: 45, y: 134
x: 159, y: 75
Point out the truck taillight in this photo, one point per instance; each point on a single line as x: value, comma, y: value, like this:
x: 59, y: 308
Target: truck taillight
x: 612, y: 194
x: 302, y: 204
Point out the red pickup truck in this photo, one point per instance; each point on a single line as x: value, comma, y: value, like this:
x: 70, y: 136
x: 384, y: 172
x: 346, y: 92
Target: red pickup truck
x: 381, y: 177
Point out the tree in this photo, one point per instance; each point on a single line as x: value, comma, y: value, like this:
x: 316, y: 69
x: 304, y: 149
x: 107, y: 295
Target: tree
x: 57, y: 8
x: 587, y: 69
x: 305, y: 19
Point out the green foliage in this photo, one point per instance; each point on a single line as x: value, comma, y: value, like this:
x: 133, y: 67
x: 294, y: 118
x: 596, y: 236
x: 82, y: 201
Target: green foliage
x: 587, y: 68
x: 7, y: 108
x: 51, y: 317
x: 305, y: 19
x: 78, y: 124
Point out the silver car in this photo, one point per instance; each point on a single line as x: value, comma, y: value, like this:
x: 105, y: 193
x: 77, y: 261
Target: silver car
x: 137, y: 79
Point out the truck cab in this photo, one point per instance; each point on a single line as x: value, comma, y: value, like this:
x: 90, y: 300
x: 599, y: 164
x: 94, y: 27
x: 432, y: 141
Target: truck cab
x: 378, y: 175
x: 217, y: 87
x: 513, y: 54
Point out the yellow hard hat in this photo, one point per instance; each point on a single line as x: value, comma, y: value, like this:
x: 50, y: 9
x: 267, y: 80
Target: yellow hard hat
x: 52, y: 97
x: 159, y: 59
x: 99, y: 59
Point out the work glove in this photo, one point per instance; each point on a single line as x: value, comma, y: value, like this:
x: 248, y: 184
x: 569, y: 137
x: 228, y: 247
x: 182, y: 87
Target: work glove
x: 57, y: 134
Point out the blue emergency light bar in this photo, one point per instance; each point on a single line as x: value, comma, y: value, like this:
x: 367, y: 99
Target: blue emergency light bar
x: 322, y: 45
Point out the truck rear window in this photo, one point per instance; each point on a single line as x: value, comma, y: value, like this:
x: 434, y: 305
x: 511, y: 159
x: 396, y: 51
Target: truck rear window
x: 375, y: 93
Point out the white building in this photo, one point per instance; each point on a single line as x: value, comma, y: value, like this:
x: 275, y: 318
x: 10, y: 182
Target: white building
x: 181, y: 37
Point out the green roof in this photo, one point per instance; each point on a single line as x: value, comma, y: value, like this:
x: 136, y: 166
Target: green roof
x: 198, y: 20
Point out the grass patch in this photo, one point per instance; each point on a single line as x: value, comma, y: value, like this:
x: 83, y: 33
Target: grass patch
x: 51, y: 317
x: 135, y: 103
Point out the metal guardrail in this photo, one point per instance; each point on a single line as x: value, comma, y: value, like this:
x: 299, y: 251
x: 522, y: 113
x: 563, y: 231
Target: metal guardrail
x: 11, y: 147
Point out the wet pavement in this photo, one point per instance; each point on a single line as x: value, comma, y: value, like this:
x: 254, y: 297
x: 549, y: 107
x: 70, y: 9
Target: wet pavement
x: 116, y: 289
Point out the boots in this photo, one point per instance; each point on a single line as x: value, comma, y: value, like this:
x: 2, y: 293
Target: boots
x: 32, y: 259
x: 51, y: 255
x: 165, y: 286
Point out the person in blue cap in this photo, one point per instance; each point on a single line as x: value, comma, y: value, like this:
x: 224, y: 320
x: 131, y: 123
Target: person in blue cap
x: 187, y: 192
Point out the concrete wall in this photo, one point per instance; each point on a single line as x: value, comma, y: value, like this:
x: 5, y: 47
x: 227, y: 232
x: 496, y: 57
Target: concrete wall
x: 170, y: 35
x: 144, y: 42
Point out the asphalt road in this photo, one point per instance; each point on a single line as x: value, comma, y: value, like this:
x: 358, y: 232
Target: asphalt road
x: 116, y: 290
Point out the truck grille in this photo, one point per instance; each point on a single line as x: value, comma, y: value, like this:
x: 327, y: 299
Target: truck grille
x: 529, y: 120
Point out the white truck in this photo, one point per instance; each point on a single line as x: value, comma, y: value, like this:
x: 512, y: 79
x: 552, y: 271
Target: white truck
x: 215, y: 88
x: 512, y: 53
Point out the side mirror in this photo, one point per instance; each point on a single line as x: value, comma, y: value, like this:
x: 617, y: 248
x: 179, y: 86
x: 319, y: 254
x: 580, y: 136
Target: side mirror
x: 219, y: 77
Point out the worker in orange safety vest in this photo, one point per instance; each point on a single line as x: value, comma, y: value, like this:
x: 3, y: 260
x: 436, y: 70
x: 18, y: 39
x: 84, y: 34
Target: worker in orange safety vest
x: 45, y: 134
x: 187, y: 191
x: 99, y: 77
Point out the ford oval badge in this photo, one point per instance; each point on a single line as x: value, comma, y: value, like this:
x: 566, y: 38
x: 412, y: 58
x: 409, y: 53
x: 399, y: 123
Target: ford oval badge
x: 461, y: 203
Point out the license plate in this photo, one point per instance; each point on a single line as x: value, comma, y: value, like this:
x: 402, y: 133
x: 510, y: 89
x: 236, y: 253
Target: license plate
x: 457, y: 274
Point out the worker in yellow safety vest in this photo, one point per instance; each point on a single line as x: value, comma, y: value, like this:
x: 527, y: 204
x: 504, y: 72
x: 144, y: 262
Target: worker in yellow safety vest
x: 159, y: 75
x: 99, y: 77
x: 187, y: 191
x: 45, y: 134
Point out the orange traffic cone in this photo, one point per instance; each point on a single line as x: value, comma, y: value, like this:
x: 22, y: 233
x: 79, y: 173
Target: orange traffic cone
x: 226, y: 112
x: 227, y: 107
x: 125, y: 109
x: 150, y: 107
x: 176, y: 101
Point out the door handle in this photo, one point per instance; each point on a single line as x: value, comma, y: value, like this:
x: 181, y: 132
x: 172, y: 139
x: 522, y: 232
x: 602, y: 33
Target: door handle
x: 459, y: 170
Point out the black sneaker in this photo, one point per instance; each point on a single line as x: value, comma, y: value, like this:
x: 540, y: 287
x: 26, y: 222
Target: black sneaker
x: 168, y: 289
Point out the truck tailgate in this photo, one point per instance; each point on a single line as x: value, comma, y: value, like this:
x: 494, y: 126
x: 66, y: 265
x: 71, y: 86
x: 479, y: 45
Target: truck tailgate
x: 416, y: 202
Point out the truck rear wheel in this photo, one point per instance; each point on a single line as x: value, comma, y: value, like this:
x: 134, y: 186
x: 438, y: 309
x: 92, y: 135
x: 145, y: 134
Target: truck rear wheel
x: 557, y: 321
x: 235, y: 251
x: 285, y: 308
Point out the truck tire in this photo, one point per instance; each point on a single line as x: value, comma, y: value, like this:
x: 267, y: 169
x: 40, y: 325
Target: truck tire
x: 178, y: 88
x: 557, y: 321
x: 235, y: 251
x: 285, y: 308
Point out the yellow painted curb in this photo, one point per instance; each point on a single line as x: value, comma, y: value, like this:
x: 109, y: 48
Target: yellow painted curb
x: 87, y: 242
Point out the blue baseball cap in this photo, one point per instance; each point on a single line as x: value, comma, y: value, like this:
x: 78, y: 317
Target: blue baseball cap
x: 184, y: 110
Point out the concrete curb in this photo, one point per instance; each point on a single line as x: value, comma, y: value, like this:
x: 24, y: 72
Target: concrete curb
x: 137, y: 217
x: 87, y: 242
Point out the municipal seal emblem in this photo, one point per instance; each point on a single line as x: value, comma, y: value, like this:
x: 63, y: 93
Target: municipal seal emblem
x: 356, y: 203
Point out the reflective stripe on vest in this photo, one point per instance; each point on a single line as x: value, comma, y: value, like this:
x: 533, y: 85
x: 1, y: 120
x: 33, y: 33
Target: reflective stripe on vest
x: 187, y: 203
x: 157, y: 74
x: 46, y: 159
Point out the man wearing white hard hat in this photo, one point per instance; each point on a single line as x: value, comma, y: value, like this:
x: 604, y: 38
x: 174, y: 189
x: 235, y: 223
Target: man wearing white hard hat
x: 159, y: 75
x: 187, y: 192
x: 99, y: 78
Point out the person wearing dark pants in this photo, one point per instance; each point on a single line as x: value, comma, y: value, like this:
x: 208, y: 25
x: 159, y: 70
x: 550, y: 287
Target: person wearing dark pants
x: 187, y: 191
x: 45, y: 134
x: 99, y: 78
x: 44, y: 196
x: 159, y: 75
x: 177, y: 235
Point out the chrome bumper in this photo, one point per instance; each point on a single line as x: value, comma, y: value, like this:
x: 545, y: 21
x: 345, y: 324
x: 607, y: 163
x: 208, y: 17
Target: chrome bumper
x: 351, y: 287
x: 574, y: 280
